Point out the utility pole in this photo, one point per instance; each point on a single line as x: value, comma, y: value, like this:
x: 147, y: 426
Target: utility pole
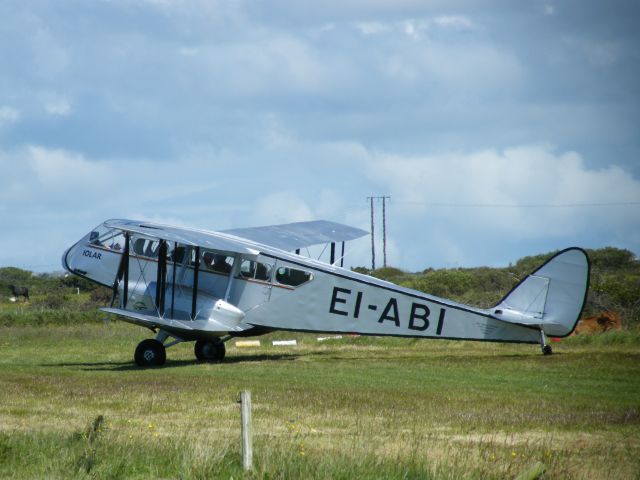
x: 384, y: 231
x: 373, y: 243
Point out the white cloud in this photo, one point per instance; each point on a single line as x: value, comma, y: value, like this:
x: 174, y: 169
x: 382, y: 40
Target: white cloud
x: 281, y: 207
x: 602, y: 54
x: 597, y: 52
x: 491, y: 206
x: 8, y: 115
x: 188, y: 51
x: 373, y: 28
x: 453, y: 66
x: 58, y: 106
x: 454, y: 21
x: 329, y: 204
x: 51, y: 178
x: 303, y: 94
x: 276, y: 135
x: 194, y: 10
x: 488, y: 184
x: 422, y: 229
x: 51, y: 57
x: 414, y: 28
x: 272, y: 65
x: 59, y: 169
x: 327, y: 27
x: 420, y: 54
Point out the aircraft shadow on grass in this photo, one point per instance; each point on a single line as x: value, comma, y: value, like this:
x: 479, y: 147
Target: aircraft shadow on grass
x: 131, y: 366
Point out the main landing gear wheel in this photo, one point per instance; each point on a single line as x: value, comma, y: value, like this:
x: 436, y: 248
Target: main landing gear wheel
x: 209, y: 350
x: 150, y: 353
x: 547, y: 350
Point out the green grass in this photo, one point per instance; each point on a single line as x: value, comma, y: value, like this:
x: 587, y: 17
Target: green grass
x: 360, y: 407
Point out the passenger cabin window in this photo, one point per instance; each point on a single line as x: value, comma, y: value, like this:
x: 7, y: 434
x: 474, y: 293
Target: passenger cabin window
x: 255, y: 270
x: 111, y: 238
x: 145, y: 247
x: 176, y: 255
x: 216, y: 262
x: 292, y: 276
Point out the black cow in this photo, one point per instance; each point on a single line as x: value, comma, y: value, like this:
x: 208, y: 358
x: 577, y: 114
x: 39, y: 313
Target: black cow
x: 20, y: 292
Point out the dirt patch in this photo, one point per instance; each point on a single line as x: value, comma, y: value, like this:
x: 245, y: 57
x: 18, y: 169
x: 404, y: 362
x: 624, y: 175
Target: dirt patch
x: 600, y: 323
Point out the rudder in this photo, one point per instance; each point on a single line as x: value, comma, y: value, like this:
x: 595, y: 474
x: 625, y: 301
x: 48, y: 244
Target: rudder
x: 552, y: 297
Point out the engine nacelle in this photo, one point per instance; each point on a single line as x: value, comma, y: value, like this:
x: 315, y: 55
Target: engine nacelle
x: 226, y: 314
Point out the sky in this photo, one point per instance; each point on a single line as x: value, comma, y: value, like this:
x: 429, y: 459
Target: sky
x: 498, y: 129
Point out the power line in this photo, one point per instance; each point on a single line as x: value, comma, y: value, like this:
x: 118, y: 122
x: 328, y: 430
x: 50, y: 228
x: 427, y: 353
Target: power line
x: 516, y: 205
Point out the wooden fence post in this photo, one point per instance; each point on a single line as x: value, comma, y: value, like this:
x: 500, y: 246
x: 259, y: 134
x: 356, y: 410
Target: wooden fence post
x: 245, y: 416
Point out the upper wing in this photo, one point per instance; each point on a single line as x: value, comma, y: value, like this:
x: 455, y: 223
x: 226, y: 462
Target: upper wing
x: 185, y: 236
x: 291, y: 236
x: 287, y: 237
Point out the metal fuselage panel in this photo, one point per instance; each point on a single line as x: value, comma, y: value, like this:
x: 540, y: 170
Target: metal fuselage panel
x: 331, y: 303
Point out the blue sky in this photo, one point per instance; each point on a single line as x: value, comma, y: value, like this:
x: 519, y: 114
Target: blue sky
x: 499, y: 129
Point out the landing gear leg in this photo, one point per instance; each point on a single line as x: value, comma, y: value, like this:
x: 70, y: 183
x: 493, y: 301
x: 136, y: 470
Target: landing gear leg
x: 546, y: 348
x: 209, y: 350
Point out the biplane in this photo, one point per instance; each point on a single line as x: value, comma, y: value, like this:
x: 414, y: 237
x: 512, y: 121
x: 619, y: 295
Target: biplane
x: 208, y: 287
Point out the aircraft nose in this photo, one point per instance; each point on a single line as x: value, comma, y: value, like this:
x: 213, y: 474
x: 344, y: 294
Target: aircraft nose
x: 64, y: 261
x: 69, y: 262
x: 72, y: 256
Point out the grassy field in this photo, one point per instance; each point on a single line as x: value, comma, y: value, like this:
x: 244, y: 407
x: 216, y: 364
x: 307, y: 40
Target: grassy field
x: 73, y: 405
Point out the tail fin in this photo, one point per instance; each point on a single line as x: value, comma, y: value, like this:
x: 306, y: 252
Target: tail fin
x: 552, y: 297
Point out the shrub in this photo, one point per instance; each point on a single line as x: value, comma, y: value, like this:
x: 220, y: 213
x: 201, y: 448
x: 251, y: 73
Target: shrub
x: 101, y: 295
x: 53, y: 301
x: 388, y: 273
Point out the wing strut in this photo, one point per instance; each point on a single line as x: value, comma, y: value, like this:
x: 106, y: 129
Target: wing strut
x: 116, y: 280
x: 196, y: 271
x: 125, y: 270
x: 173, y: 280
x: 161, y: 278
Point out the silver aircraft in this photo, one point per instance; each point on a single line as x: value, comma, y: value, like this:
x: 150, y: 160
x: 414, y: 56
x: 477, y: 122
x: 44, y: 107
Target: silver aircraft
x: 194, y: 285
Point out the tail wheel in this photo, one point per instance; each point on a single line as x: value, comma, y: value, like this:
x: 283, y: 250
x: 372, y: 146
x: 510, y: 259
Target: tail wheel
x: 546, y: 348
x: 210, y: 350
x: 150, y: 353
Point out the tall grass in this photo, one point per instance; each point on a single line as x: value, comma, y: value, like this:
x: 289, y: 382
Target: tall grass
x: 118, y: 454
x: 73, y: 405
